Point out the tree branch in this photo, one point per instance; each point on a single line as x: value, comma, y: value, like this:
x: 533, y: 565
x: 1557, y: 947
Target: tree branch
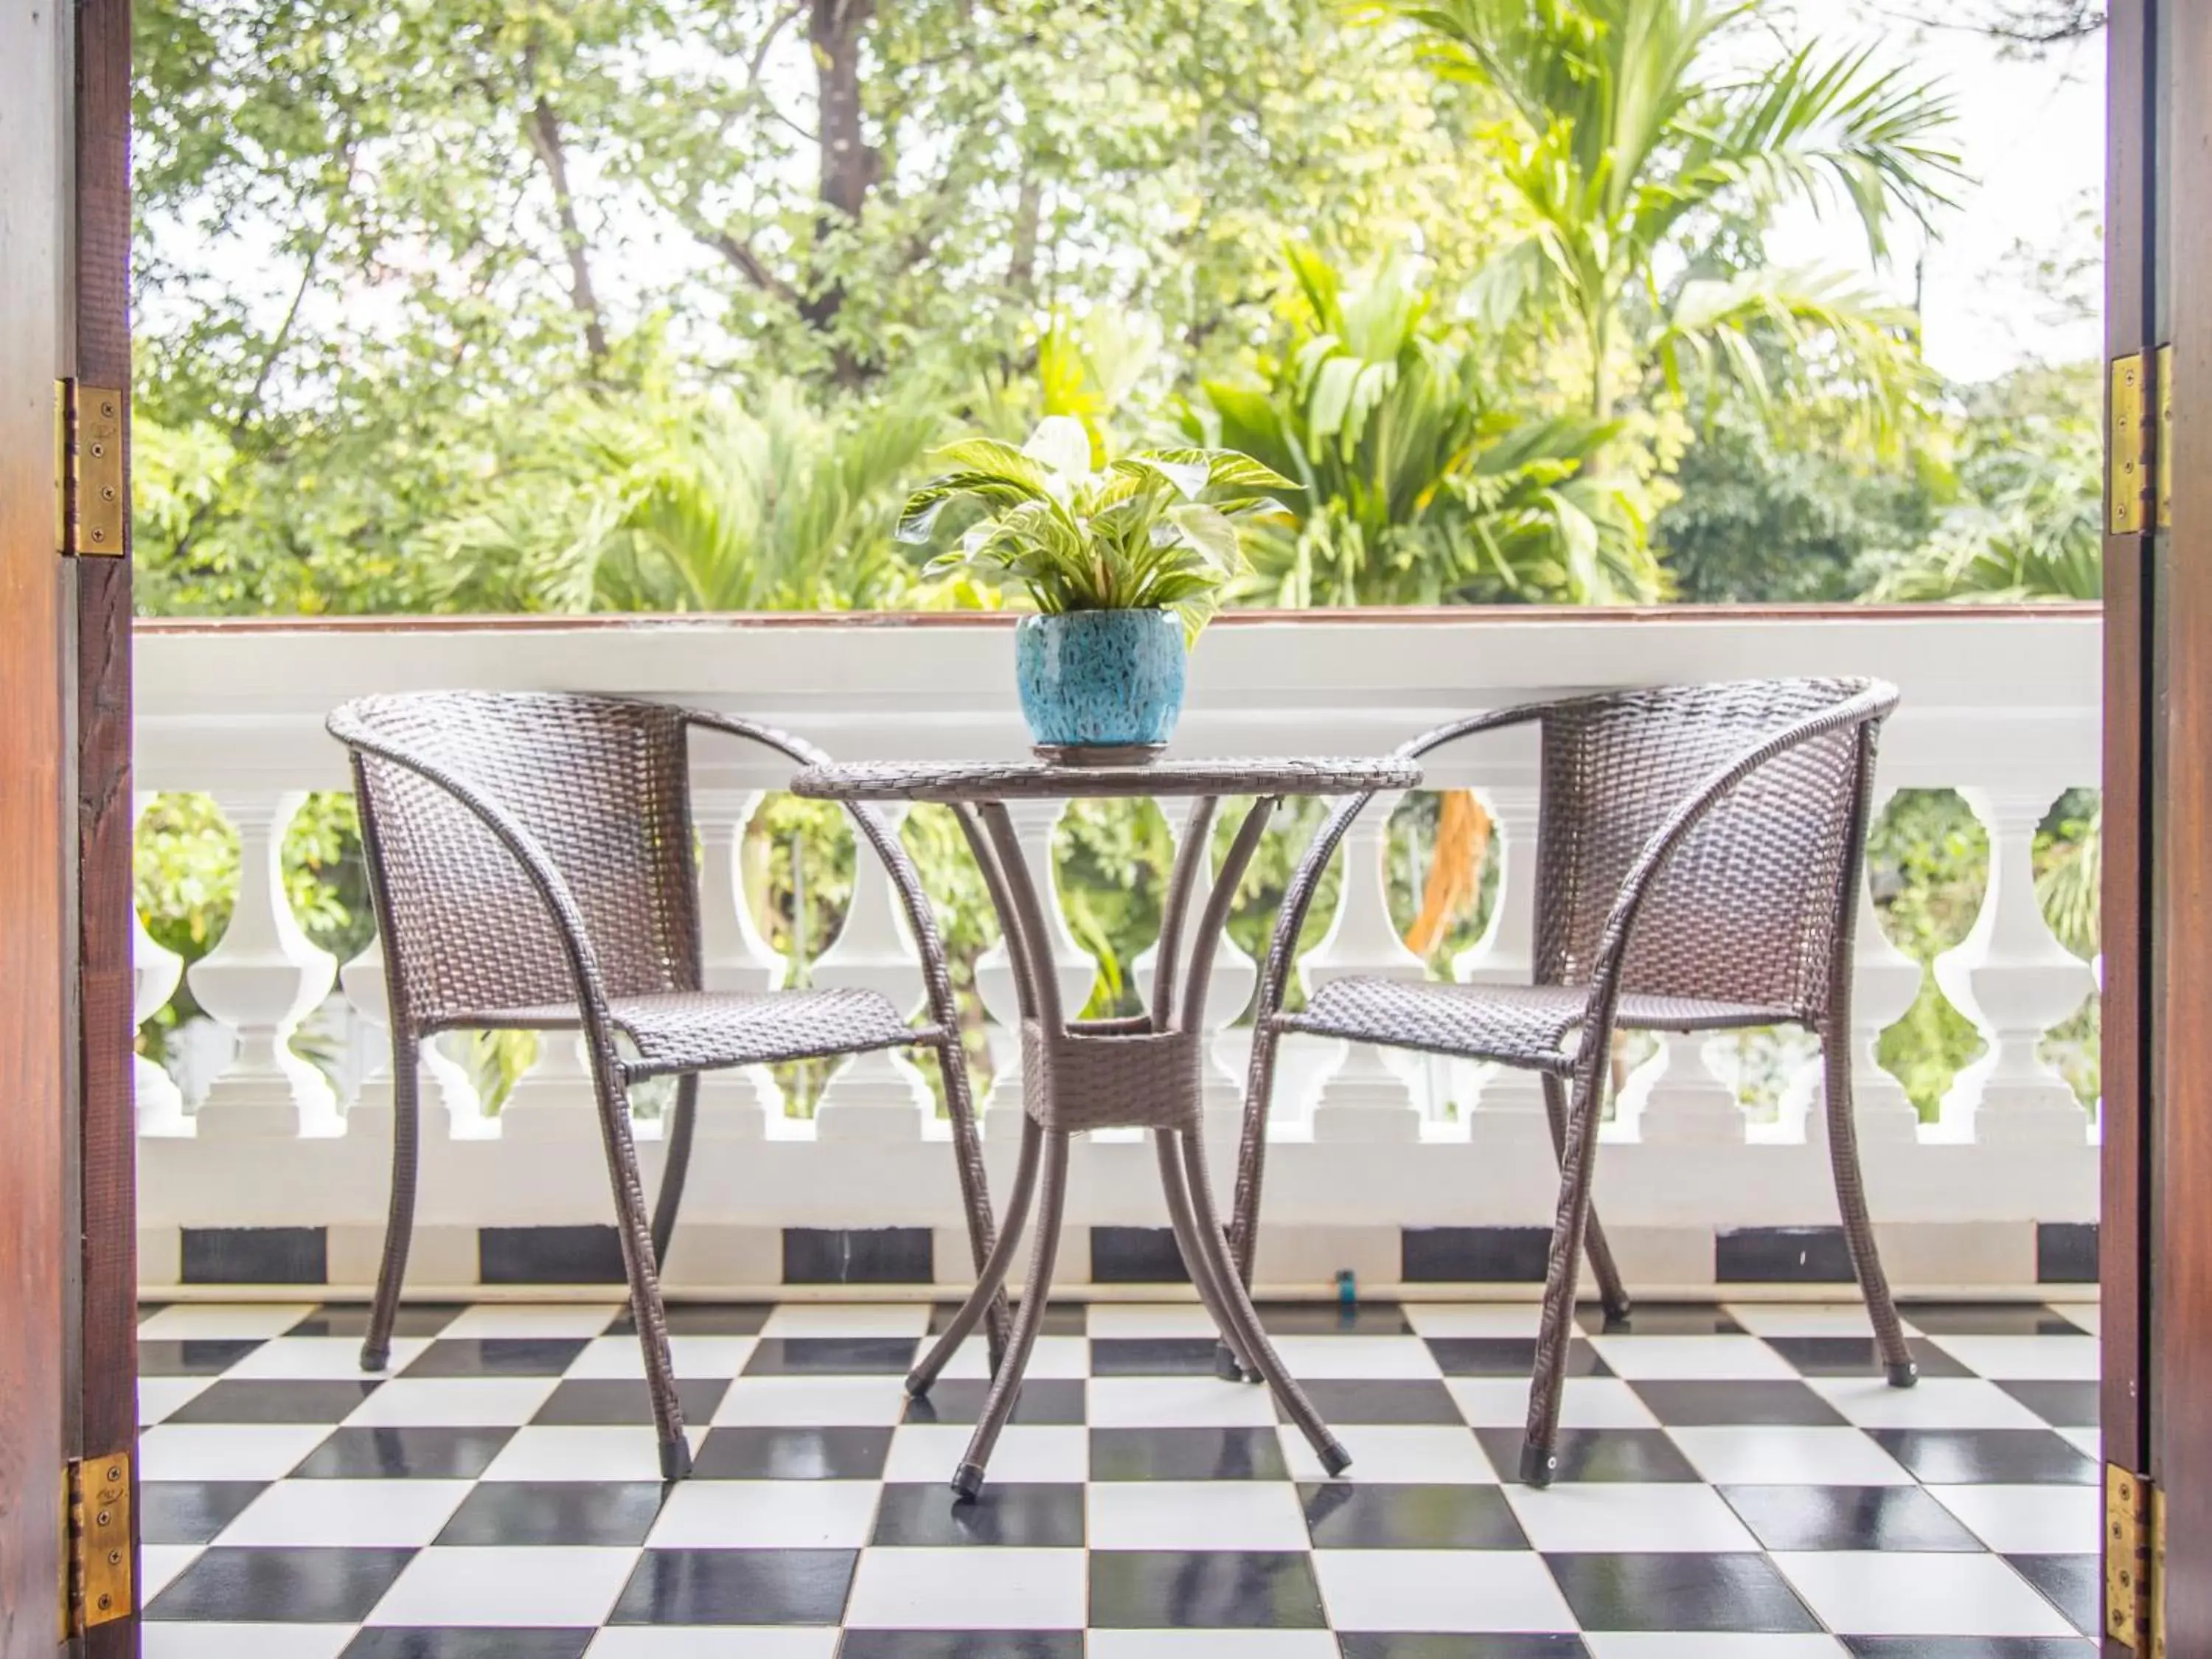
x: 546, y: 141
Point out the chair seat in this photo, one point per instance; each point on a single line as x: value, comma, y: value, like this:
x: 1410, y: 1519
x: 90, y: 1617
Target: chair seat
x: 1524, y: 1025
x: 704, y: 1030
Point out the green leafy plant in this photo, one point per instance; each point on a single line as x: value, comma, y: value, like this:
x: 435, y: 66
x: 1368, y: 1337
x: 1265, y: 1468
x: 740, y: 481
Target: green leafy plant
x: 1162, y: 530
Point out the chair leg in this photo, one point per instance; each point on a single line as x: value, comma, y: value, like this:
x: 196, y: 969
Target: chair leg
x: 1251, y: 1170
x: 1232, y: 1362
x: 974, y: 1186
x: 682, y: 1127
x: 399, y: 1223
x: 635, y: 1232
x: 990, y: 1290
x: 1612, y: 1295
x: 1577, y: 1165
x: 1029, y: 1319
x: 1243, y: 1327
x: 1850, y: 1199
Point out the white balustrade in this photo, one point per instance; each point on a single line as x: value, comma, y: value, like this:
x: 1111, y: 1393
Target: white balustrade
x: 879, y: 1096
x: 1507, y: 1108
x: 1364, y: 1098
x: 2012, y: 977
x: 155, y: 972
x: 1884, y: 984
x: 741, y: 1105
x: 261, y: 979
x: 1074, y: 969
x: 1231, y: 976
x: 449, y: 1105
x: 1680, y: 1097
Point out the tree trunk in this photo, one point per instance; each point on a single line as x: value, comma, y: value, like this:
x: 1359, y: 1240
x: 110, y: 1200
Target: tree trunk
x: 1028, y: 214
x: 546, y: 140
x: 851, y: 167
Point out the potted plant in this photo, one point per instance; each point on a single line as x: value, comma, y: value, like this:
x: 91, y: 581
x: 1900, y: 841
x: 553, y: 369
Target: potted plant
x: 1124, y: 564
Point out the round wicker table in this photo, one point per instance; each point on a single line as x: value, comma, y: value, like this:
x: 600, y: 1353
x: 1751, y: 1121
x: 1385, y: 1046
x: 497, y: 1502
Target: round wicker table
x: 1143, y: 1072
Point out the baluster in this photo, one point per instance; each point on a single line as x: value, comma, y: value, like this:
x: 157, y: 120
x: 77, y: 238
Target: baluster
x: 2012, y: 977
x: 261, y: 981
x: 739, y: 1104
x: 155, y: 970
x: 1363, y: 1098
x: 1035, y: 823
x: 1680, y: 1097
x: 1507, y: 1109
x: 368, y: 1117
x: 1884, y: 984
x: 879, y: 1096
x: 1232, y: 977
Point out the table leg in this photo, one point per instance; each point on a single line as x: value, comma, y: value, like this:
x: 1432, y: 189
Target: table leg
x: 1006, y: 1386
x: 1232, y: 1361
x: 986, y: 1294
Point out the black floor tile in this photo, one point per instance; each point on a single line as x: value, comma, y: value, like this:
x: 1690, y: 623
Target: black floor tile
x: 1345, y: 1400
x: 2072, y: 1582
x: 1679, y: 1593
x: 404, y: 1455
x: 292, y: 1401
x: 960, y: 1399
x: 615, y: 1401
x: 286, y: 1586
x: 1342, y: 1515
x: 1595, y: 1455
x: 1508, y: 1356
x: 737, y: 1587
x: 1849, y: 1519
x: 1011, y: 1513
x: 2063, y: 1405
x: 1187, y: 1455
x: 793, y: 1454
x: 1660, y: 1319
x: 1209, y: 1590
x: 497, y: 1356
x: 961, y: 1644
x: 1988, y: 1319
x: 1966, y: 1647
x: 615, y: 1515
x: 1859, y: 1356
x: 192, y: 1511
x: 199, y: 1356
x: 704, y: 1319
x: 396, y: 1643
x: 1732, y: 1403
x: 1982, y: 1457
x: 1152, y: 1356
x: 832, y: 1356
x: 1334, y: 1319
x: 1061, y: 1318
x: 351, y: 1319
x: 1393, y: 1645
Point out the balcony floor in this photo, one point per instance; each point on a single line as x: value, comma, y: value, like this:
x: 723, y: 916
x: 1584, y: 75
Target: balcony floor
x: 497, y: 1500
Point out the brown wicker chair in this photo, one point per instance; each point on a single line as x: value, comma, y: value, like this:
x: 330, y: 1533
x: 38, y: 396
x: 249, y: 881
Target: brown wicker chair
x: 533, y: 866
x: 1698, y: 869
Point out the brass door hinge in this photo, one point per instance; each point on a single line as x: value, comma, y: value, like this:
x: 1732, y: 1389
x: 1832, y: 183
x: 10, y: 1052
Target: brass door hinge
x: 2135, y: 1562
x: 96, y: 1565
x: 2127, y: 454
x: 2163, y: 469
x: 88, y: 497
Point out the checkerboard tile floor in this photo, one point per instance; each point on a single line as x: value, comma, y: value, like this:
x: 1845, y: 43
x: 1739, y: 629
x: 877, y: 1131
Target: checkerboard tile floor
x: 1737, y: 1481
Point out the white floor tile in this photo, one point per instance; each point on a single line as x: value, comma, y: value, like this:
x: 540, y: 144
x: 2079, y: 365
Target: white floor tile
x: 715, y: 1642
x: 1196, y: 1515
x: 164, y: 1640
x: 1782, y: 1457
x: 1125, y: 1319
x: 349, y: 1513
x: 1589, y: 1402
x: 1396, y: 1455
x: 1469, y: 1319
x: 814, y: 1402
x: 453, y: 1402
x: 225, y: 1451
x: 2029, y: 1520
x: 160, y: 1564
x: 1707, y: 1644
x: 2087, y: 1315
x: 232, y: 1320
x: 930, y: 1452
x: 1803, y: 1318
x: 161, y: 1397
x: 1934, y: 1402
x: 1628, y: 1517
x: 1440, y: 1591
x: 2088, y: 1441
x: 2026, y: 1358
x: 557, y: 1453
x: 1865, y: 1594
x: 330, y: 1359
x: 767, y: 1515
x: 1210, y: 1645
x: 1187, y: 1402
x: 1053, y: 1355
x: 1360, y: 1358
x: 848, y: 1319
x: 1653, y: 1358
x: 620, y: 1359
x: 970, y: 1590
x: 507, y: 1587
x: 534, y: 1319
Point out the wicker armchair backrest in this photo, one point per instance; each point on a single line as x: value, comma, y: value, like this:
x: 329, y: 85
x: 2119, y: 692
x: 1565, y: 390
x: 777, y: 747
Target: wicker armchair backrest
x: 1749, y: 908
x: 599, y: 785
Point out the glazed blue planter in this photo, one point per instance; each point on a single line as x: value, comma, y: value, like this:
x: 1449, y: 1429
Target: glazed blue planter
x: 1100, y: 678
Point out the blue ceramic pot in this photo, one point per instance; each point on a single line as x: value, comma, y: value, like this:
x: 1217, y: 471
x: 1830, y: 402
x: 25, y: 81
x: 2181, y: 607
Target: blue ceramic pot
x: 1099, y: 678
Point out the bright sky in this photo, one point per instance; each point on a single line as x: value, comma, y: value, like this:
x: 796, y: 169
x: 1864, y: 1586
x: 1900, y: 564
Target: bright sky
x: 2032, y: 134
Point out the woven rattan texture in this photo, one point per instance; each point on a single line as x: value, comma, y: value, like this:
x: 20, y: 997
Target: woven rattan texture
x: 1072, y: 1083
x: 1745, y: 909
x: 1519, y: 1025
x: 977, y: 781
x: 704, y: 1030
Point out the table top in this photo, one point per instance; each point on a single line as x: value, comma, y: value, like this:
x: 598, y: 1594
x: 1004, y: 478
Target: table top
x: 985, y: 780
